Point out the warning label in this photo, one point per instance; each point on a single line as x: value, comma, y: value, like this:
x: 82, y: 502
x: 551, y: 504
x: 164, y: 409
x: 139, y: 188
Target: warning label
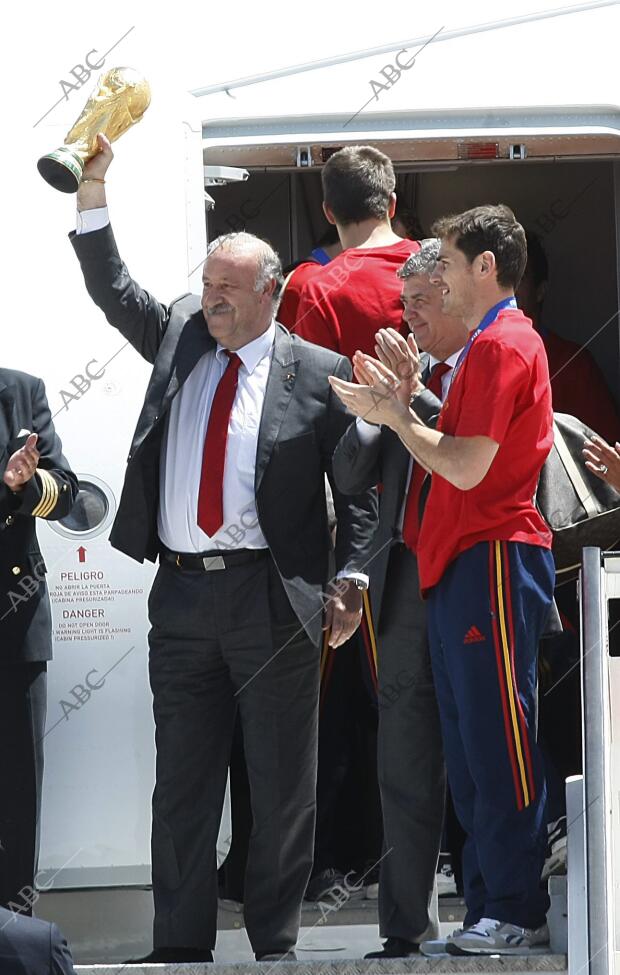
x: 88, y: 607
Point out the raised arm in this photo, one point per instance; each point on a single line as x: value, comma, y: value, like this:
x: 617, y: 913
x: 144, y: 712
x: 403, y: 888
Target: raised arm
x: 128, y: 307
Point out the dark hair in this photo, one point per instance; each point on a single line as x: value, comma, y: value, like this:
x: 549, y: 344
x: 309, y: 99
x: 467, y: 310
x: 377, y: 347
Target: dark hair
x: 409, y: 220
x: 357, y: 183
x: 488, y: 228
x: 328, y: 237
x: 536, y: 258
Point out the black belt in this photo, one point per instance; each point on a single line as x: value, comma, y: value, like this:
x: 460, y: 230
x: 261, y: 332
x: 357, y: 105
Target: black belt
x: 211, y: 561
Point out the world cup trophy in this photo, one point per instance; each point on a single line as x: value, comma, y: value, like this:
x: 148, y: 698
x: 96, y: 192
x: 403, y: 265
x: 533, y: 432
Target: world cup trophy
x: 120, y: 99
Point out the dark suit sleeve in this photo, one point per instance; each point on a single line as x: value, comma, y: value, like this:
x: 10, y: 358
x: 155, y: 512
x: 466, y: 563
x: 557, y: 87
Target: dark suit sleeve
x: 50, y: 493
x: 134, y: 312
x: 357, y: 462
x: 356, y: 514
x: 61, y: 959
x: 427, y: 407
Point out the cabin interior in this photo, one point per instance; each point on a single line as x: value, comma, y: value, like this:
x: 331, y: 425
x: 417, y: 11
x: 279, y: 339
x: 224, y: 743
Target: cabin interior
x: 570, y: 203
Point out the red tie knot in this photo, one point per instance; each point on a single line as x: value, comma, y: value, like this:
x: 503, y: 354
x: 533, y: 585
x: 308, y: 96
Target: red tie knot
x: 233, y: 359
x: 434, y: 380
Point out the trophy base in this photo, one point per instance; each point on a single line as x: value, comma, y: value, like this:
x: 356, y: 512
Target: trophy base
x: 62, y: 169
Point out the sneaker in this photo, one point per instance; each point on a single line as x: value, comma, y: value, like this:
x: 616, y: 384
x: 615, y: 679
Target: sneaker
x: 446, y: 884
x: 490, y: 937
x: 439, y: 946
x: 322, y: 883
x: 363, y: 883
x: 555, y: 859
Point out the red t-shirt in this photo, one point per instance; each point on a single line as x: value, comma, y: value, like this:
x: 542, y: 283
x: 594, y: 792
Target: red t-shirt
x: 501, y: 391
x: 343, y: 306
x: 578, y: 387
x: 287, y: 312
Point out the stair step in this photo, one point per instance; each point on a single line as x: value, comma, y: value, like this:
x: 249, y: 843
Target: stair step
x: 489, y: 965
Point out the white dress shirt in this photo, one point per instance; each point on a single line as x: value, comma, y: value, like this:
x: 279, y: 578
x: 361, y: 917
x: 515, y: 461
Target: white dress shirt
x: 180, y: 465
x: 183, y: 444
x: 181, y: 458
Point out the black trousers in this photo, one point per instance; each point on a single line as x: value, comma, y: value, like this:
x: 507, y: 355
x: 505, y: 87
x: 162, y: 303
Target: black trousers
x: 410, y: 758
x: 22, y: 727
x: 224, y: 640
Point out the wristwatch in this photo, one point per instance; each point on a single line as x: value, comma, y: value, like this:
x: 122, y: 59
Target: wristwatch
x: 360, y: 584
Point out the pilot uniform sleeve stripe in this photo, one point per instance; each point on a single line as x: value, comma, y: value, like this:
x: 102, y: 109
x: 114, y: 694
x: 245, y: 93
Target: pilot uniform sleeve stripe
x: 44, y: 494
x: 49, y: 497
x: 53, y: 500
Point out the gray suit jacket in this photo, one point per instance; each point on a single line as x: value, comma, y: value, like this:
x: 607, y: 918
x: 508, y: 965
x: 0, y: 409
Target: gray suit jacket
x: 382, y: 459
x: 302, y: 421
x: 29, y: 946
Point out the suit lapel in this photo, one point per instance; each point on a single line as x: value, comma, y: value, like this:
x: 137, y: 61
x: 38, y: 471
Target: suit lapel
x: 425, y: 367
x: 402, y: 455
x: 280, y: 385
x: 195, y: 341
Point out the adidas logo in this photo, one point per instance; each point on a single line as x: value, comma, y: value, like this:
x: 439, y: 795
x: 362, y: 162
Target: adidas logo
x: 474, y: 635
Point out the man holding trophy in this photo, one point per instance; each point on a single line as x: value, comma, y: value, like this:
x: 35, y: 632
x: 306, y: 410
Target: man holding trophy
x: 225, y: 484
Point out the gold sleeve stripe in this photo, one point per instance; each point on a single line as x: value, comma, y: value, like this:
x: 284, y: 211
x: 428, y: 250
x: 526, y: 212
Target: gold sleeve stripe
x: 53, y: 489
x: 50, y: 494
x: 44, y: 494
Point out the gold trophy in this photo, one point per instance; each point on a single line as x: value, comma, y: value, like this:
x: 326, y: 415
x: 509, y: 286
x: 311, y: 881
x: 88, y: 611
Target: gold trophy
x: 120, y: 99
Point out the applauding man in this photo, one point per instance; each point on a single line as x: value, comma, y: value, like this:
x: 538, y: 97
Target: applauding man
x: 35, y: 482
x: 486, y: 569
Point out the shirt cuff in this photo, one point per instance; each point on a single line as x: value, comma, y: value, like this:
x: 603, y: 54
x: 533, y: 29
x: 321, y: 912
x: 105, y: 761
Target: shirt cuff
x: 366, y: 431
x: 89, y: 220
x: 356, y: 576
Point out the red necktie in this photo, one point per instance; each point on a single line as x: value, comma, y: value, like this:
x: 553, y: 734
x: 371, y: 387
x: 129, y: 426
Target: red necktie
x: 210, y: 495
x: 411, y: 519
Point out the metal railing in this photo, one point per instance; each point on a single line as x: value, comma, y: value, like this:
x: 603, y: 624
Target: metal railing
x: 591, y: 901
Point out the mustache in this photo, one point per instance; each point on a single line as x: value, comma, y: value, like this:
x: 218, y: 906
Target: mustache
x: 219, y: 309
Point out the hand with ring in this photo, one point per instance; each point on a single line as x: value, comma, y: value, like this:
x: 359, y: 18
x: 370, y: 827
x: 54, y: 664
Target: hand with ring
x: 603, y: 460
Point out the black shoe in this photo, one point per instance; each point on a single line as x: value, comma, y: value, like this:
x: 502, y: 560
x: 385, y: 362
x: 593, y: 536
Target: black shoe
x: 396, y: 948
x: 162, y: 955
x: 320, y: 885
x: 277, y: 956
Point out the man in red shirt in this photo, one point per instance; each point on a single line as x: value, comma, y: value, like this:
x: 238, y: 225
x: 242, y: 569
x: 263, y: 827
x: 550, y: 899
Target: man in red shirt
x: 342, y: 305
x: 578, y: 386
x: 485, y: 567
x: 296, y: 275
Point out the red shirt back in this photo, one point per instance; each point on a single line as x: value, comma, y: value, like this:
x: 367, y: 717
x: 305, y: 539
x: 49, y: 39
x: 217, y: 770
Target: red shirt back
x: 578, y: 386
x: 287, y: 312
x: 347, y: 301
x: 501, y: 391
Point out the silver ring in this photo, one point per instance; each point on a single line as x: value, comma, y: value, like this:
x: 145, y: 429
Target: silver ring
x: 603, y: 469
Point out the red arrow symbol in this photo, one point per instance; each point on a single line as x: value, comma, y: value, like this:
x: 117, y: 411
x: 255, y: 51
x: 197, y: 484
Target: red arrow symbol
x: 82, y: 553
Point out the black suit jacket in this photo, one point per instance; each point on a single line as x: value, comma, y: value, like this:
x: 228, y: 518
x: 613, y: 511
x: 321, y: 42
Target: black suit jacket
x: 381, y: 459
x: 29, y: 946
x: 302, y: 421
x: 25, y: 618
